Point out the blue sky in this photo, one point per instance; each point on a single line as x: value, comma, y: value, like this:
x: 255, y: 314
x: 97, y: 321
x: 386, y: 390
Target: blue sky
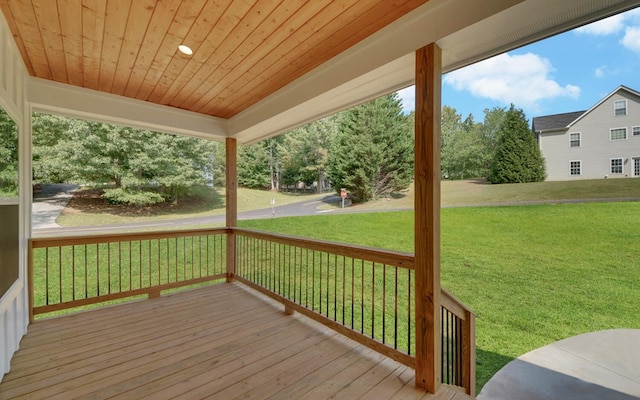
x: 568, y: 72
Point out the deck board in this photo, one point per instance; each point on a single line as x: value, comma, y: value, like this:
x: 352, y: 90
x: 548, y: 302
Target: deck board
x: 219, y: 342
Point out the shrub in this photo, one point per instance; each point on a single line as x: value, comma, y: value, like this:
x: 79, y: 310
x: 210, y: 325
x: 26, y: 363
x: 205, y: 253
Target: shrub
x: 137, y: 198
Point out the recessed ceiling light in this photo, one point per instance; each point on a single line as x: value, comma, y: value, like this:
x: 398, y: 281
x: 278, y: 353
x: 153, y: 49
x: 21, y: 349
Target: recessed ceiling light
x: 185, y: 49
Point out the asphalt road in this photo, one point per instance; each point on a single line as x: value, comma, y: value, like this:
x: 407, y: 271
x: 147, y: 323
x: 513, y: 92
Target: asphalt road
x: 52, y: 199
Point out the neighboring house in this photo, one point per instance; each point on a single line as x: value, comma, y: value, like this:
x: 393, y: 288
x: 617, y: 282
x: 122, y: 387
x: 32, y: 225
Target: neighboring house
x: 602, y: 142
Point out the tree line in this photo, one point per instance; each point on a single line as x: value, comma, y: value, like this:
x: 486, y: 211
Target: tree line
x: 367, y: 150
x: 502, y: 148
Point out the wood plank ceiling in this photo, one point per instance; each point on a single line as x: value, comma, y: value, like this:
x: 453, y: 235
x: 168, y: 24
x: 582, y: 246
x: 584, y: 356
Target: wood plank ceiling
x: 244, y: 50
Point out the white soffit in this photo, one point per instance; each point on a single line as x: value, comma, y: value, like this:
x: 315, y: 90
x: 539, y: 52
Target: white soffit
x: 58, y: 98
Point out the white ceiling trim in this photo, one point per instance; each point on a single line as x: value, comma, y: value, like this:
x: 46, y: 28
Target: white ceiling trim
x: 72, y: 101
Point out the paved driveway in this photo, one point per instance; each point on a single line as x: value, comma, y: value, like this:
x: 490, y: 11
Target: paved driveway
x: 48, y: 203
x: 52, y: 199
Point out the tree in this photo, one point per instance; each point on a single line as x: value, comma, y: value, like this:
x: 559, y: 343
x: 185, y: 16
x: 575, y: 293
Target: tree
x: 489, y: 130
x: 517, y: 158
x: 372, y: 153
x: 143, y: 167
x: 306, y: 151
x: 462, y: 148
x: 253, y: 166
x: 8, y: 155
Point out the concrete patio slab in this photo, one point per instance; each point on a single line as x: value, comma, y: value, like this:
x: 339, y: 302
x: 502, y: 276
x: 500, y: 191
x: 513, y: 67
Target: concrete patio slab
x: 601, y: 365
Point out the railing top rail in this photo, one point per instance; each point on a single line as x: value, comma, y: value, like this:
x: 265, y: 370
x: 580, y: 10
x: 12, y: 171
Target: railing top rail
x: 121, y: 237
x: 387, y: 257
x: 453, y: 304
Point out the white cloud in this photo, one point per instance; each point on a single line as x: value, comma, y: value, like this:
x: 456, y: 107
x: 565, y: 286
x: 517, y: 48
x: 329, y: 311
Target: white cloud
x: 519, y: 79
x: 604, y: 27
x: 408, y: 98
x: 599, y: 72
x: 633, y: 15
x: 627, y: 23
x: 631, y: 39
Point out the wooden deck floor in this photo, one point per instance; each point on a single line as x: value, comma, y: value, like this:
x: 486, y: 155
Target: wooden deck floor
x: 221, y: 342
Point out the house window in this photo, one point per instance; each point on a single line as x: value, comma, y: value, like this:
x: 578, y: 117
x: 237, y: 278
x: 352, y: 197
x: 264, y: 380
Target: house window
x: 636, y: 130
x: 616, y: 166
x: 619, y: 134
x: 574, y: 139
x: 575, y: 167
x: 620, y: 107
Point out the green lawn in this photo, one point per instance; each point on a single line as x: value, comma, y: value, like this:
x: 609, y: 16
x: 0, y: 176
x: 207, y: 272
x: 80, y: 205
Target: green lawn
x: 533, y: 274
x: 474, y: 192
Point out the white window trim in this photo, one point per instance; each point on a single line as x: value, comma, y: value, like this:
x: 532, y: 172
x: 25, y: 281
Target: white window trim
x: 614, y: 107
x: 634, y: 128
x: 579, y: 138
x: 621, y: 164
x: 578, y: 161
x: 621, y: 127
x: 633, y: 166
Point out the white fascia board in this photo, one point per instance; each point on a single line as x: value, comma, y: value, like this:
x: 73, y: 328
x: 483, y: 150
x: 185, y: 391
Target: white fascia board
x: 523, y: 24
x: 58, y: 98
x: 393, y: 76
x: 313, y: 96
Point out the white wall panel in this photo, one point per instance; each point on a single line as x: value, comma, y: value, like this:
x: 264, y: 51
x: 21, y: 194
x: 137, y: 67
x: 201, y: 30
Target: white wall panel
x: 14, y: 313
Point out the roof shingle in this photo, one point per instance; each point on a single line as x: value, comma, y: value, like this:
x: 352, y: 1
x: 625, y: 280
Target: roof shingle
x: 555, y: 122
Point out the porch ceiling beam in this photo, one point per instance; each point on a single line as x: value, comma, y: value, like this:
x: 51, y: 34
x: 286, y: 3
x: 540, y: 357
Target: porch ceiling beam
x: 73, y: 101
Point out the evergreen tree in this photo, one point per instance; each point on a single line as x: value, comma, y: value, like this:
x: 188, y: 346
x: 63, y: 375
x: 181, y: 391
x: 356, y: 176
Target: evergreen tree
x: 372, y: 153
x: 517, y: 158
x: 305, y: 152
x: 253, y: 166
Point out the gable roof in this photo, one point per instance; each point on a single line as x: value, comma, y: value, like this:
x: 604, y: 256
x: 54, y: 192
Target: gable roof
x: 549, y: 123
x: 607, y: 97
x: 556, y: 122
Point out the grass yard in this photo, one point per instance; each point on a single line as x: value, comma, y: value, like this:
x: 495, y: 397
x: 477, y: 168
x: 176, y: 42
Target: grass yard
x: 533, y: 274
x: 476, y: 192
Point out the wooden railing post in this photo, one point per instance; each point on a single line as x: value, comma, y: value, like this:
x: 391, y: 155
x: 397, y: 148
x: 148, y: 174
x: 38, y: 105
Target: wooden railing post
x: 231, y: 168
x: 428, y: 371
x: 469, y: 353
x: 31, y: 284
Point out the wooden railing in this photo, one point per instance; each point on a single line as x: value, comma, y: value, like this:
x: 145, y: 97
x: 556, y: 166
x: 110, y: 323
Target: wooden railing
x: 366, y: 294
x: 458, y: 343
x: 75, y: 271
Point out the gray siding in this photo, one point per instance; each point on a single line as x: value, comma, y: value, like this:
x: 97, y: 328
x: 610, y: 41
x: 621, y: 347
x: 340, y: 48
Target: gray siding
x: 596, y: 149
